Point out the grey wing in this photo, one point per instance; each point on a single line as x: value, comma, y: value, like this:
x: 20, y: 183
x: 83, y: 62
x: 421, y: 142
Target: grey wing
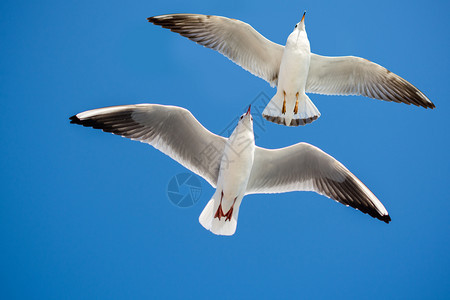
x: 350, y: 75
x: 172, y: 130
x: 303, y: 167
x: 233, y: 38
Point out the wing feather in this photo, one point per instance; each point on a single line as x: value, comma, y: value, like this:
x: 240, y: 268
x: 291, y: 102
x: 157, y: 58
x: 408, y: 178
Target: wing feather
x: 235, y: 39
x: 172, y: 130
x: 350, y: 75
x: 303, y: 167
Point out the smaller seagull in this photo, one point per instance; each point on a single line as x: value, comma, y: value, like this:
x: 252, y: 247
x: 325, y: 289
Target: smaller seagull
x: 292, y: 68
x: 234, y: 165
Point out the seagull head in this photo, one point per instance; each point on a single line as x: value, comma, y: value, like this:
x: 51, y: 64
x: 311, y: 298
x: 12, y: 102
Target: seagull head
x: 298, y: 37
x: 242, y: 136
x: 247, y: 117
x: 246, y: 120
x: 301, y: 25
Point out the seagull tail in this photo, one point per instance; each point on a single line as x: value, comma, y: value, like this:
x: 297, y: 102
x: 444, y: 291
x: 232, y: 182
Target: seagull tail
x: 215, y: 225
x: 285, y: 112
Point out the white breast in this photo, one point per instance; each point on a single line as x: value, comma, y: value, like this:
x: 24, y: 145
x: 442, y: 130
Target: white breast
x: 236, y: 165
x: 295, y: 63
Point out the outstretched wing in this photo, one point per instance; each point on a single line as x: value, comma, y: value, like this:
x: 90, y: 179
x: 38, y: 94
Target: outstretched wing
x: 350, y: 75
x: 303, y: 167
x: 170, y: 129
x: 233, y: 38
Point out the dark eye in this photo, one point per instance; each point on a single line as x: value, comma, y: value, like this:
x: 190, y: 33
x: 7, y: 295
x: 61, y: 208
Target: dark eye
x: 241, y: 117
x: 295, y: 26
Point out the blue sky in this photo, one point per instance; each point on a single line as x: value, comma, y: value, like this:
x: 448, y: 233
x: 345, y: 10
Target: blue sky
x: 85, y: 214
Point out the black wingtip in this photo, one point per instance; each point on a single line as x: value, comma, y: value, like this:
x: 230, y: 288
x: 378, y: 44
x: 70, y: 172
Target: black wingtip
x: 75, y: 120
x: 385, y: 219
x: 153, y: 20
x: 427, y: 105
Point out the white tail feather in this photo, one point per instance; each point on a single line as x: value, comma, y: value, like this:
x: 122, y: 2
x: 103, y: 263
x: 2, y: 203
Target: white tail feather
x: 307, y: 112
x: 207, y: 215
x: 216, y: 226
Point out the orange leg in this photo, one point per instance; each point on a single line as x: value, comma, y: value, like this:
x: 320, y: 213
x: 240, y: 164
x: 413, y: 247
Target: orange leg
x: 230, y: 211
x: 219, y: 213
x: 296, y: 104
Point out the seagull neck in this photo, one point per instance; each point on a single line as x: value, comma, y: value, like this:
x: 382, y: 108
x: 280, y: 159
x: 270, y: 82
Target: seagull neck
x: 242, y: 138
x: 240, y: 146
x: 298, y: 39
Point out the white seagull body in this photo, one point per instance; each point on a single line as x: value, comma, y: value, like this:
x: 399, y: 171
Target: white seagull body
x: 292, y: 68
x: 234, y: 165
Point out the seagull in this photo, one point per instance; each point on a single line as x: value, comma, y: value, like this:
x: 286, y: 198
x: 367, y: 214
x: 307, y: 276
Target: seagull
x: 292, y: 68
x: 234, y: 166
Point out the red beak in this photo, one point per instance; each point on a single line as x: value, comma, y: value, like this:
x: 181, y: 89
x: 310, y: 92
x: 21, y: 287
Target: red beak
x: 248, y: 111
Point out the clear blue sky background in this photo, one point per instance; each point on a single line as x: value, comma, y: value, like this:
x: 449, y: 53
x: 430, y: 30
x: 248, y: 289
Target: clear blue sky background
x: 84, y: 214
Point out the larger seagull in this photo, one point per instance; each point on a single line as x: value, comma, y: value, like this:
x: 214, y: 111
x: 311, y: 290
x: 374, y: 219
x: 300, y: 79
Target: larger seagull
x: 293, y: 68
x: 234, y: 165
